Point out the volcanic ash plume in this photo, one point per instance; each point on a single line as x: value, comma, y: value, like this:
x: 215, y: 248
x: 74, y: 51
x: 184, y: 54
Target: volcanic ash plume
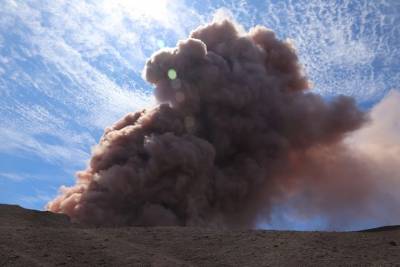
x: 236, y: 131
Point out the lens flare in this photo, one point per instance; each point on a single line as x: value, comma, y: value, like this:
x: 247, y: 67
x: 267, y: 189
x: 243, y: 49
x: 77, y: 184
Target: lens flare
x: 172, y: 74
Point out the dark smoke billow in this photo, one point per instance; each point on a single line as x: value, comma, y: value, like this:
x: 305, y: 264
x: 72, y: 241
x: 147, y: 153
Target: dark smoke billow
x: 236, y: 132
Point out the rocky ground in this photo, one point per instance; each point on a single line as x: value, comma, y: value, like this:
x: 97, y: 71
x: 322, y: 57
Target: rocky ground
x: 34, y: 238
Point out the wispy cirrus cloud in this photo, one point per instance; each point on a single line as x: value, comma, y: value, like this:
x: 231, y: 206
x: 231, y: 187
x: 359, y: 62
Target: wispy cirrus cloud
x: 68, y: 69
x: 12, y: 176
x: 346, y: 47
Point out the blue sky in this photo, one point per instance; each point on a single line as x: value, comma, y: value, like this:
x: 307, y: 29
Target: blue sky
x: 70, y: 68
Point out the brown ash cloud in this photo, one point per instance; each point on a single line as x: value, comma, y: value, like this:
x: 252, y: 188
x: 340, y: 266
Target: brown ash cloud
x: 236, y: 131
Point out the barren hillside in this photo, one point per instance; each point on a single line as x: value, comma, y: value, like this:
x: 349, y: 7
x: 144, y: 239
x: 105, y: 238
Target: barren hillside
x: 34, y: 238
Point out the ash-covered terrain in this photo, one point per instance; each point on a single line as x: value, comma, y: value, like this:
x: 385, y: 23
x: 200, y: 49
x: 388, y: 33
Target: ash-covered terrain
x: 36, y: 238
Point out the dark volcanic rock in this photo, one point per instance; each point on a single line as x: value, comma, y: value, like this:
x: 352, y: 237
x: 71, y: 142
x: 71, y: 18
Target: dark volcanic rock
x: 36, y: 238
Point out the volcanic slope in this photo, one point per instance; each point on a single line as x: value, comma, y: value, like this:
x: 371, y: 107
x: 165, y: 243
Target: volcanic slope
x: 36, y: 238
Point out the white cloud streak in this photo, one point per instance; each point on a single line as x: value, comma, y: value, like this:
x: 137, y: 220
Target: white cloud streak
x: 70, y: 68
x: 347, y: 47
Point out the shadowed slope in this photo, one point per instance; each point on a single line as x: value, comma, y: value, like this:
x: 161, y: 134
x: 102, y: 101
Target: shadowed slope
x: 16, y: 216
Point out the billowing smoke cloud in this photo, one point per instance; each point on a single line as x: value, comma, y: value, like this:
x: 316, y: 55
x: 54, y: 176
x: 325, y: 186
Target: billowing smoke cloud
x: 236, y: 132
x: 354, y: 184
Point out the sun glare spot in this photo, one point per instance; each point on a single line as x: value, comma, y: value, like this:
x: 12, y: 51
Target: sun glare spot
x: 172, y: 74
x: 160, y: 43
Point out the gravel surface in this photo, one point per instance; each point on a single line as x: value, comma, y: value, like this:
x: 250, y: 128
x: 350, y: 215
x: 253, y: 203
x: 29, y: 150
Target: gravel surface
x: 35, y: 238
